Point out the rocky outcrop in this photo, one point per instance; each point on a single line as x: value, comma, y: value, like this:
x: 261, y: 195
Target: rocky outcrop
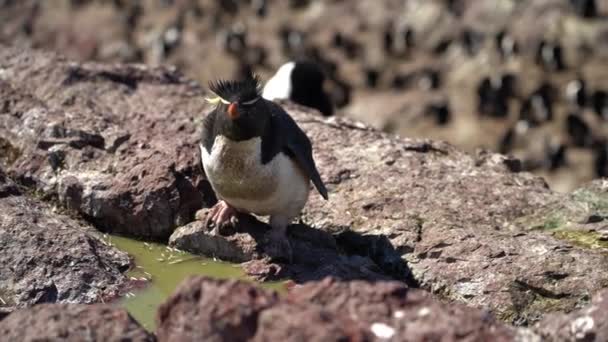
x: 450, y: 215
x: 47, y: 257
x: 72, y: 322
x: 334, y: 311
x: 115, y: 143
x: 459, y: 221
x: 460, y: 226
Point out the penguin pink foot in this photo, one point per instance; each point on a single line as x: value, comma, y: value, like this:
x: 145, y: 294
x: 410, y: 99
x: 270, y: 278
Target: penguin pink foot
x: 221, y: 214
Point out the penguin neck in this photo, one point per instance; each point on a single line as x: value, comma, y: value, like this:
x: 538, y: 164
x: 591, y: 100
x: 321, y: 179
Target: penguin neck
x: 240, y: 130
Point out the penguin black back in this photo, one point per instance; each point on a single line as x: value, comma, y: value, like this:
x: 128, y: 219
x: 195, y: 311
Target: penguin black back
x: 302, y: 83
x: 284, y: 135
x: 307, y: 80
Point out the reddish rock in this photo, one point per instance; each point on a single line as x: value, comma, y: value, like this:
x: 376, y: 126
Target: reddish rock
x: 47, y: 257
x: 128, y: 160
x: 196, y: 237
x: 411, y: 314
x: 203, y: 309
x: 319, y: 311
x: 284, y: 322
x: 72, y: 322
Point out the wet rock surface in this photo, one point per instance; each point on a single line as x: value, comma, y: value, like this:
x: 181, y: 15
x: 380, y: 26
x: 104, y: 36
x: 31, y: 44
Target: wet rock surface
x: 46, y: 257
x: 352, y: 311
x: 72, y: 322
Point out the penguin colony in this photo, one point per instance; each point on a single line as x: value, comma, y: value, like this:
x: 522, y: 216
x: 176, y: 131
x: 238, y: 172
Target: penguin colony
x: 542, y: 91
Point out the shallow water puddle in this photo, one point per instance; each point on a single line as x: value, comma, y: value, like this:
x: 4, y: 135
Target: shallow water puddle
x: 165, y: 268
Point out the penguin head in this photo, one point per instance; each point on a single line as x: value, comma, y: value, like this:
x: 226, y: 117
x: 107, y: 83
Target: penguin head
x: 243, y: 113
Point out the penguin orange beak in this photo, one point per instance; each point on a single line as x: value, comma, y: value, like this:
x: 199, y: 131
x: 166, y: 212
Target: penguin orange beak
x: 233, y: 112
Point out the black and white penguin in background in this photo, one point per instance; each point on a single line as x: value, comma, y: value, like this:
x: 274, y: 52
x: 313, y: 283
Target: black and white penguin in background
x: 302, y: 83
x: 257, y: 160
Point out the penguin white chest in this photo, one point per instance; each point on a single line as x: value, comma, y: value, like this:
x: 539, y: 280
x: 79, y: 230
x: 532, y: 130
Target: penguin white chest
x: 237, y: 175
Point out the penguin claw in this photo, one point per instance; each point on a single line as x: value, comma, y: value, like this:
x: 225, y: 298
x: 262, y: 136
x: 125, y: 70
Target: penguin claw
x: 222, y: 214
x: 210, y: 220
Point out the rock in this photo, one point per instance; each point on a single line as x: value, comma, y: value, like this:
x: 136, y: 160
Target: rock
x: 214, y: 310
x: 317, y: 254
x: 408, y: 312
x: 195, y: 237
x: 409, y: 209
x: 283, y: 322
x: 450, y: 216
x: 46, y: 257
x: 128, y: 162
x: 72, y: 322
x: 588, y: 324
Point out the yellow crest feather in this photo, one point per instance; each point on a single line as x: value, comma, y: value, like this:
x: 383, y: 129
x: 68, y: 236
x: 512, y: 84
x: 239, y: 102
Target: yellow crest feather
x: 215, y: 100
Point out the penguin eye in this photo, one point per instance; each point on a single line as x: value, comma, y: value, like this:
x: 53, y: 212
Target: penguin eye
x: 250, y: 102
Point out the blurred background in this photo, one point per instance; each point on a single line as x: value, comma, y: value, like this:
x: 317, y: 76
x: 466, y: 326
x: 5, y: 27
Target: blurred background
x: 523, y: 77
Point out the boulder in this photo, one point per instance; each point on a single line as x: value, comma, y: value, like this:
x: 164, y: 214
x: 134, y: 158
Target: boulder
x: 48, y: 257
x: 203, y: 309
x: 72, y: 322
x: 452, y: 217
x: 116, y: 143
x: 411, y: 314
x: 196, y: 238
x: 219, y: 310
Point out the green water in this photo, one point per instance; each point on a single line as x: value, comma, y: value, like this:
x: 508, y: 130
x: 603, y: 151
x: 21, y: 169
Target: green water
x: 164, y: 268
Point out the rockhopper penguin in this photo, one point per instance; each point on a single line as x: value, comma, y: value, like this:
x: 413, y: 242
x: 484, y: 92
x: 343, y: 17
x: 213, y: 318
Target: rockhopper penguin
x: 257, y: 160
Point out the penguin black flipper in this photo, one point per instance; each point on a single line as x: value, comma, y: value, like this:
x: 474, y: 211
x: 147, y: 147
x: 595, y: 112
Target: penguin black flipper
x: 294, y: 143
x: 209, y: 131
